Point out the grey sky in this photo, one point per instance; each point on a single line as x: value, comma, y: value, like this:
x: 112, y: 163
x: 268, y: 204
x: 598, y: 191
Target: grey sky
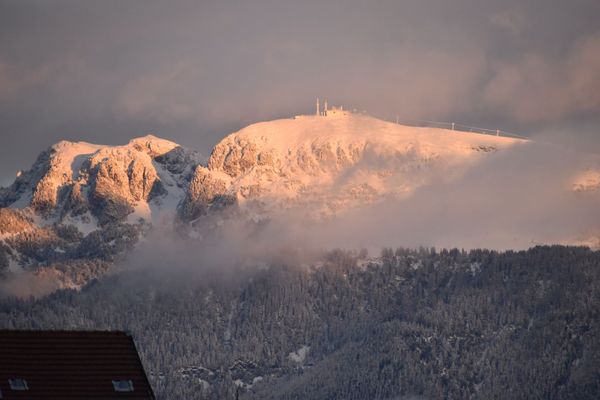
x: 106, y: 71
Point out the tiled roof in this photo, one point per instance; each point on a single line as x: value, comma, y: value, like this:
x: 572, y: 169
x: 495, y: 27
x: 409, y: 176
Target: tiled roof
x: 70, y: 365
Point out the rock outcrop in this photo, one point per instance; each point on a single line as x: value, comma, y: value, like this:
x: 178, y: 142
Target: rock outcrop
x: 204, y: 192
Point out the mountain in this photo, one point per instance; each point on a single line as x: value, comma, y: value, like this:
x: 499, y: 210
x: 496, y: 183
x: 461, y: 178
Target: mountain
x: 335, y: 161
x: 83, y: 183
x: 83, y: 205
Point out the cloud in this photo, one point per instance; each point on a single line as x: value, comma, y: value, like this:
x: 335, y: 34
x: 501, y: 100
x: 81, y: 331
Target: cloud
x: 513, y: 199
x: 14, y: 80
x: 27, y: 284
x: 418, y: 83
x: 512, y: 20
x: 538, y: 88
x: 410, y: 82
x: 169, y: 95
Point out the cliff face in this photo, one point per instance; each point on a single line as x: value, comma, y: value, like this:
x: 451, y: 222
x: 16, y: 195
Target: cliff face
x: 204, y: 192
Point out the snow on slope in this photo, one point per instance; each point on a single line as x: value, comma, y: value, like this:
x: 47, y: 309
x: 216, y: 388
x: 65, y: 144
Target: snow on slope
x: 286, y: 134
x: 333, y: 163
x: 71, y: 155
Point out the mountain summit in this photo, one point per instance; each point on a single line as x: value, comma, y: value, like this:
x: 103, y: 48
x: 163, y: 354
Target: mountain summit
x: 341, y: 160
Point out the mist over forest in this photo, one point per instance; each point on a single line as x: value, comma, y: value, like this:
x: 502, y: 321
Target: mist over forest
x: 411, y: 324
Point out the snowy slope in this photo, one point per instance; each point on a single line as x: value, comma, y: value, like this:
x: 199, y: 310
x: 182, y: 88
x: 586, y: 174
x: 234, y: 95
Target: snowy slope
x: 333, y: 163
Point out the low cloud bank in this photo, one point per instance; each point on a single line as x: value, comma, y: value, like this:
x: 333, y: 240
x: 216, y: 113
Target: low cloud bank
x: 513, y: 199
x: 28, y: 284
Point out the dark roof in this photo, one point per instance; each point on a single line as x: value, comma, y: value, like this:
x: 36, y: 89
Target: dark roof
x: 70, y: 365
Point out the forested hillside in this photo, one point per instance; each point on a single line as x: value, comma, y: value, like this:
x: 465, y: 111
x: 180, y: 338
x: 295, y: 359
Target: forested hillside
x: 425, y: 324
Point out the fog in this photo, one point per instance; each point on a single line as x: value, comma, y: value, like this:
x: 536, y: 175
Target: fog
x: 513, y: 199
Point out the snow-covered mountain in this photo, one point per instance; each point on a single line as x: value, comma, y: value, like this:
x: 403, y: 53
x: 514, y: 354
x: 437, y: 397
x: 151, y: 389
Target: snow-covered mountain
x: 85, y: 204
x: 331, y: 162
x: 81, y: 205
x: 86, y: 184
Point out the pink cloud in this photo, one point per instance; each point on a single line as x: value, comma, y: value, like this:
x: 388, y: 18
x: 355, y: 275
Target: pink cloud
x: 538, y: 88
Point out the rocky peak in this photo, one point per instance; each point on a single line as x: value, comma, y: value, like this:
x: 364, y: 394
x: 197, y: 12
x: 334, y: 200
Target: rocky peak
x: 72, y: 178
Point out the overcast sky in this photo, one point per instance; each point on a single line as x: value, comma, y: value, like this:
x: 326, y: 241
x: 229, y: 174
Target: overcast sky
x: 107, y: 71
